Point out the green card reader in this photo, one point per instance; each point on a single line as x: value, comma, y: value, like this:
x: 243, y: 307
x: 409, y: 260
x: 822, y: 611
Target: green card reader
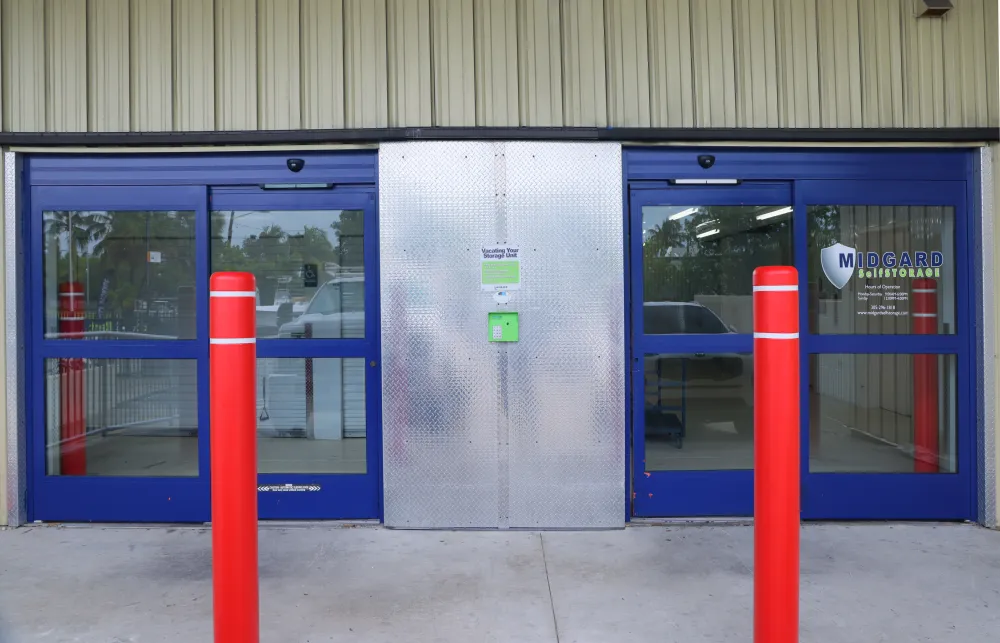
x: 502, y: 326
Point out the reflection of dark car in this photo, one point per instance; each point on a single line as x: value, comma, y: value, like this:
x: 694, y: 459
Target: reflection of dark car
x: 718, y: 386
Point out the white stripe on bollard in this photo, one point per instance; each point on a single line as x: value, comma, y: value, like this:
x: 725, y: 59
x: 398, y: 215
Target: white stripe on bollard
x: 775, y: 335
x: 785, y: 288
x: 232, y: 293
x: 232, y: 340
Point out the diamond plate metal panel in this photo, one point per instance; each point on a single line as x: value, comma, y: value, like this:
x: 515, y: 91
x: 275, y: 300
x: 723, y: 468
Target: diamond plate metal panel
x: 440, y: 384
x: 528, y: 434
x: 988, y: 455
x: 566, y: 392
x: 17, y: 476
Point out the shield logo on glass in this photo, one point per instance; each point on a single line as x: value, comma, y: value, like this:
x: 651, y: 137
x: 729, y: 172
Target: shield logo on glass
x: 838, y: 264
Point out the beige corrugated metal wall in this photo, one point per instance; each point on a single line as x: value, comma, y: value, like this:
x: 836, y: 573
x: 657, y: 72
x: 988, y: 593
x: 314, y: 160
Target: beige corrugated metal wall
x: 161, y: 65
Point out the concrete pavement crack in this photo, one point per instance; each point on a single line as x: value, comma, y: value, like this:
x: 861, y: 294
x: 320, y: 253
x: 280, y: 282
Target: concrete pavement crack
x: 548, y: 582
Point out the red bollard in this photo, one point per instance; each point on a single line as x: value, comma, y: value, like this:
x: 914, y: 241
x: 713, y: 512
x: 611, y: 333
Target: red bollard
x: 233, y: 375
x: 776, y: 454
x: 73, y: 429
x: 925, y: 380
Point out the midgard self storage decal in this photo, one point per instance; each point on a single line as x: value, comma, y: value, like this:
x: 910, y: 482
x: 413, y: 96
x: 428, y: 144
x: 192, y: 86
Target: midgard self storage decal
x: 840, y: 262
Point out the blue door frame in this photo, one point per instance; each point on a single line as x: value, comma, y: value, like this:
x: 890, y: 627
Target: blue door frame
x: 841, y: 177
x: 185, y: 182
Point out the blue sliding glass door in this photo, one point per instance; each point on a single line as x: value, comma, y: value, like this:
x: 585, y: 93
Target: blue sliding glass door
x: 887, y: 325
x: 693, y: 252
x: 888, y: 403
x: 118, y: 357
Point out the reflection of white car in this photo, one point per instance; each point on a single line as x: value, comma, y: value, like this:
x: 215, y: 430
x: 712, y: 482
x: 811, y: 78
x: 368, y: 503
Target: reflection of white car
x: 336, y: 311
x: 722, y: 383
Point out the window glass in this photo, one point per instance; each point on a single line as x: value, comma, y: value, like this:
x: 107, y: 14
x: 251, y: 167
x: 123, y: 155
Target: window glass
x: 121, y: 417
x: 311, y: 415
x: 309, y: 267
x: 881, y: 270
x: 698, y: 264
x: 882, y: 413
x: 698, y: 412
x: 119, y: 275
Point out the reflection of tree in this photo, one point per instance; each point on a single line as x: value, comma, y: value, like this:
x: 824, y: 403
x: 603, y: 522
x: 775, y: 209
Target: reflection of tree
x: 276, y: 257
x: 107, y: 252
x: 678, y: 265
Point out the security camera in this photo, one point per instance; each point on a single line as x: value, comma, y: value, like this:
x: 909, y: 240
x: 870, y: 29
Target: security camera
x: 706, y: 161
x: 295, y: 165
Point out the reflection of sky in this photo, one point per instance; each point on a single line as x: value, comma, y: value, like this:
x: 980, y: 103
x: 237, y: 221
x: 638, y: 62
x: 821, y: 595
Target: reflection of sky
x: 654, y: 216
x: 248, y: 223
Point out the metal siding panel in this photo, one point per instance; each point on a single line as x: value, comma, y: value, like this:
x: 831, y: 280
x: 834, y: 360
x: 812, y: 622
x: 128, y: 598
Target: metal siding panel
x: 440, y: 388
x: 991, y: 25
x: 839, y: 63
x: 798, y: 63
x: 670, y: 63
x: 236, y: 65
x: 454, y: 66
x: 409, y: 57
x: 627, y: 63
x: 540, y: 58
x: 474, y: 436
x: 756, y: 63
x: 151, y: 71
x: 880, y: 35
x: 194, y: 65
x: 965, y: 86
x: 565, y: 378
x: 714, y: 68
x: 365, y: 66
x: 23, y: 57
x: 66, y: 66
x: 108, y: 65
x: 923, y: 68
x: 278, y: 43
x: 495, y: 38
x: 322, y: 64
x: 585, y: 88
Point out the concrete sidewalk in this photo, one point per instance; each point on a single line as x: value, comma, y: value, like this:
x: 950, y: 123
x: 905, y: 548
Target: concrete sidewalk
x: 867, y: 583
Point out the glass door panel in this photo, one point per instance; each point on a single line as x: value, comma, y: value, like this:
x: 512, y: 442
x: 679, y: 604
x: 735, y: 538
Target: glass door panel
x: 117, y: 354
x: 889, y: 405
x: 314, y: 258
x: 693, y: 253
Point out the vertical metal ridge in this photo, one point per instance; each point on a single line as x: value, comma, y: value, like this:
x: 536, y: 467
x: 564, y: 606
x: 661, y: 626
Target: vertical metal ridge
x: 585, y: 90
x: 409, y: 63
x: 365, y: 64
x: 322, y: 64
x: 65, y: 66
x: 279, y: 65
x: 539, y: 55
x: 108, y: 57
x: 627, y: 63
x: 23, y: 60
x: 193, y: 43
x: 495, y: 41
x: 453, y: 63
x: 151, y: 101
x: 712, y: 45
x: 236, y: 90
x: 670, y: 63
